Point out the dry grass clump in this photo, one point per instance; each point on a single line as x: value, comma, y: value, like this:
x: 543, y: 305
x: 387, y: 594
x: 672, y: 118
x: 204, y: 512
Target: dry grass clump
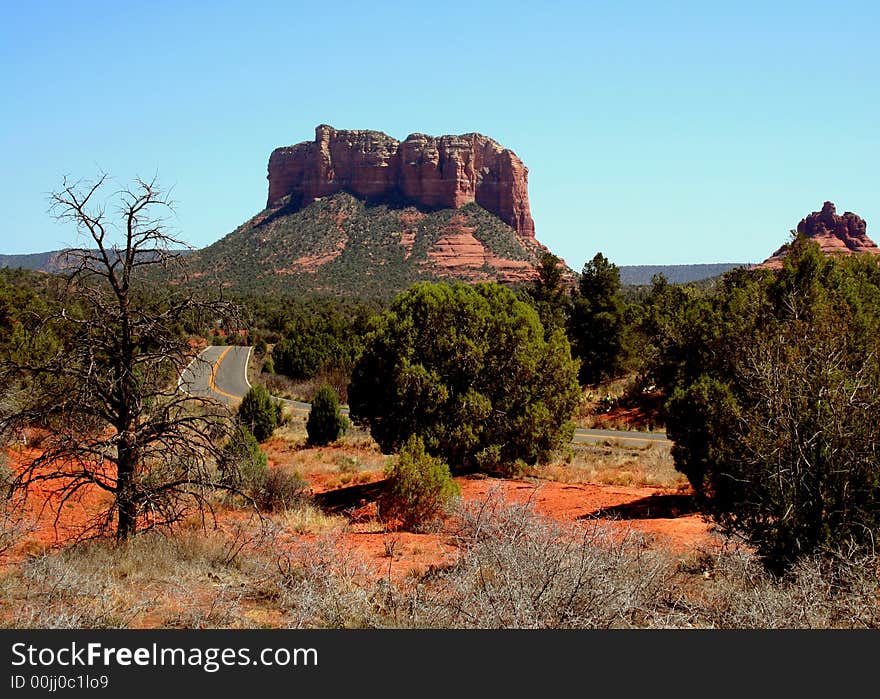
x: 821, y: 592
x: 605, y: 464
x: 349, y: 462
x: 520, y: 570
x: 308, y: 519
x: 193, y: 579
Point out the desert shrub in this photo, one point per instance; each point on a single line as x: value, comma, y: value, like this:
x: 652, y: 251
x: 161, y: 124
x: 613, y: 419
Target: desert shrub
x: 67, y: 591
x: 259, y: 412
x: 818, y: 592
x: 325, y: 423
x: 322, y: 584
x: 517, y: 569
x: 260, y: 345
x: 279, y: 489
x: 242, y: 463
x: 268, y: 365
x: 101, y: 584
x: 419, y: 486
x: 244, y: 468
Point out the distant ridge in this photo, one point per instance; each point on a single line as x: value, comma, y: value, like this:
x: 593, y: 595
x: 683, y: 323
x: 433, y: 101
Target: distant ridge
x: 54, y: 261
x: 37, y: 261
x: 640, y: 275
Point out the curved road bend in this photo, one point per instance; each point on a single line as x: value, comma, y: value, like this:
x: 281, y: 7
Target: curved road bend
x: 220, y: 372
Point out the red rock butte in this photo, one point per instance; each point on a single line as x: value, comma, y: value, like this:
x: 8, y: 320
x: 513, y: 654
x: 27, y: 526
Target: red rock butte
x: 836, y: 235
x: 444, y: 172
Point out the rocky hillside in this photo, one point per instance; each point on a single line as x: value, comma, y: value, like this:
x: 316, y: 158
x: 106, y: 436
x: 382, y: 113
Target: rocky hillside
x: 341, y: 245
x: 836, y: 235
x: 357, y: 213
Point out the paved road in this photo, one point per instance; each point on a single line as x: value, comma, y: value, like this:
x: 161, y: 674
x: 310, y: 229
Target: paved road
x: 218, y: 372
x: 221, y: 373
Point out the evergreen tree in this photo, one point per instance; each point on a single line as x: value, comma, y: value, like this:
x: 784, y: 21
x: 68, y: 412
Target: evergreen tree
x: 259, y: 413
x: 775, y: 401
x: 325, y: 423
x: 548, y: 293
x: 596, y: 326
x: 469, y: 370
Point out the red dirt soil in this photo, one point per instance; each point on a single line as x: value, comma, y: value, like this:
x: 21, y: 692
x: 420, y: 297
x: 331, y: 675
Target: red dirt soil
x: 397, y: 554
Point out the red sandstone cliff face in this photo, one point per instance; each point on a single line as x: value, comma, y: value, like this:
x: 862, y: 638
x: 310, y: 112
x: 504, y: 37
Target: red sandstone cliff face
x: 436, y: 172
x: 836, y: 235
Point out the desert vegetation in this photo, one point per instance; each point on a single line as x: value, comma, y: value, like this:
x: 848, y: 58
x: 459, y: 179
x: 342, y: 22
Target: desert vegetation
x: 455, y: 497
x: 513, y: 569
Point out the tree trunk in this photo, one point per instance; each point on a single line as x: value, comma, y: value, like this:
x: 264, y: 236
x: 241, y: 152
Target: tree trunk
x: 126, y: 506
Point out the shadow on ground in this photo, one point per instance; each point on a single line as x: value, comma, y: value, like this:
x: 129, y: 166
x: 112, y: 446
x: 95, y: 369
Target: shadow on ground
x: 341, y: 499
x: 651, y: 507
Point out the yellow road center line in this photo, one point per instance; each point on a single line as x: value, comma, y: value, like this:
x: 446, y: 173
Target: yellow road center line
x: 211, y: 384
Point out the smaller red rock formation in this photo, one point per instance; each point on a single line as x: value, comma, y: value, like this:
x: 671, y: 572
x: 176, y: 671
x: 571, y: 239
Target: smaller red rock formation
x: 836, y: 235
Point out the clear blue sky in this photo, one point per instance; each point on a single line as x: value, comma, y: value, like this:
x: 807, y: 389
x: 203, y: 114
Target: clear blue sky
x: 656, y: 132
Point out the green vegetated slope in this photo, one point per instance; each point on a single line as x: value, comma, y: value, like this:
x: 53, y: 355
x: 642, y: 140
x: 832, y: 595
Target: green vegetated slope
x: 341, y: 245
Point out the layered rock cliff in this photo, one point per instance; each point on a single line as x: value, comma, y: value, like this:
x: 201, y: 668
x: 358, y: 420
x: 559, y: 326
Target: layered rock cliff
x: 835, y: 234
x: 445, y: 172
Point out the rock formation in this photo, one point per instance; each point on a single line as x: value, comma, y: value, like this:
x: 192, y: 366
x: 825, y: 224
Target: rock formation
x: 431, y: 172
x: 836, y: 235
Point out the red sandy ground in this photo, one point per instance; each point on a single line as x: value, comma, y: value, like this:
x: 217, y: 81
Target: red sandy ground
x: 567, y: 503
x: 401, y: 553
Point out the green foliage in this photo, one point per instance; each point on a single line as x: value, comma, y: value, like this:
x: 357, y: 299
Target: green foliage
x: 243, y: 464
x: 359, y: 241
x: 468, y: 369
x: 259, y: 412
x: 318, y: 341
x: 548, y: 293
x: 279, y: 489
x: 325, y: 423
x: 260, y: 345
x: 268, y: 365
x: 596, y: 324
x: 774, y: 385
x: 244, y: 467
x: 419, y: 487
x: 26, y: 298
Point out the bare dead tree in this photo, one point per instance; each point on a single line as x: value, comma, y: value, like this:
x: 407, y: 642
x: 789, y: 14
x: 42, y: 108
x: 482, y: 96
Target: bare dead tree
x: 99, y: 377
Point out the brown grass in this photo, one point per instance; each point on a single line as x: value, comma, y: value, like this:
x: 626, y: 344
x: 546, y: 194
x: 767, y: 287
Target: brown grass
x: 512, y: 568
x: 648, y: 466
